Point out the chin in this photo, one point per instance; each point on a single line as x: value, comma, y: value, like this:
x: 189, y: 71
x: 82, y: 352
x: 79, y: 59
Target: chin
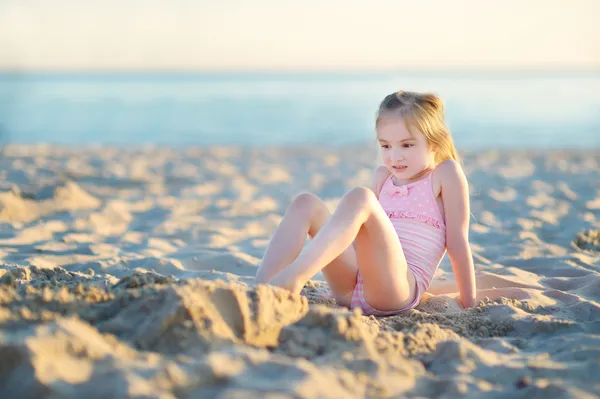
x: 404, y: 173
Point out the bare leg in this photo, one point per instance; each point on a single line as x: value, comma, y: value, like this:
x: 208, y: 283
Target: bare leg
x: 388, y: 284
x: 287, y: 240
x: 489, y: 286
x: 306, y: 215
x: 483, y: 280
x: 506, y: 292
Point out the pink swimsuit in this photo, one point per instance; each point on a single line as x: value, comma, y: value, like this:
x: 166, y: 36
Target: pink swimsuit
x: 414, y: 212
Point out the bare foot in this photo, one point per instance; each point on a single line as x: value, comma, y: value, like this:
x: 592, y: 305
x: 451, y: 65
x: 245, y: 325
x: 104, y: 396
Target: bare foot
x: 289, y: 284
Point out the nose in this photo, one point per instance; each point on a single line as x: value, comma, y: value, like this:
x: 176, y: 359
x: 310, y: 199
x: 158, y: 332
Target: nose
x: 397, y: 155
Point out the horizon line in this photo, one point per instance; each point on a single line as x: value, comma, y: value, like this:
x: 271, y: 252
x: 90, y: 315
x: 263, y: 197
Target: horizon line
x: 288, y: 71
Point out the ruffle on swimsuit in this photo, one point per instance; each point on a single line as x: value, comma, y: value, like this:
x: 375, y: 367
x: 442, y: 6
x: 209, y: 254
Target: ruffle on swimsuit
x: 416, y: 216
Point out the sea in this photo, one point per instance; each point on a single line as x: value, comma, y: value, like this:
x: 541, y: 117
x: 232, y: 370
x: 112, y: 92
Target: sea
x: 484, y: 109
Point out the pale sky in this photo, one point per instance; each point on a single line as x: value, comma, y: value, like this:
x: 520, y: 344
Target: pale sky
x: 298, y: 35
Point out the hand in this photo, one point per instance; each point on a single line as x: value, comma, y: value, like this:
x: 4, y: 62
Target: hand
x: 463, y: 306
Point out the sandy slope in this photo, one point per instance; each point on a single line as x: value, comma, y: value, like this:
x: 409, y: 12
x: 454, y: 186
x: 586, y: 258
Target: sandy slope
x: 127, y: 273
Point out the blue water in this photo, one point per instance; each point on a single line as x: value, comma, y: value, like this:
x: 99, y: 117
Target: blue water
x: 500, y: 110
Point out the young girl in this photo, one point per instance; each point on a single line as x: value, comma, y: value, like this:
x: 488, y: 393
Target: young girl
x: 381, y: 247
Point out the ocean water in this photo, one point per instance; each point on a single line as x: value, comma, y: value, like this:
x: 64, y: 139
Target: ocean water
x: 483, y: 110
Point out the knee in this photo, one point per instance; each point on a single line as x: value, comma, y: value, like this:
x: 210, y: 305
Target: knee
x: 307, y: 202
x: 361, y: 197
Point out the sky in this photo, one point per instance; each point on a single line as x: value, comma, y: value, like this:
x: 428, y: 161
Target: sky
x: 181, y: 35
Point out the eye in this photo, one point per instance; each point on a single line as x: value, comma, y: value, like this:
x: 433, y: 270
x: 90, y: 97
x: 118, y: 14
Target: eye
x: 385, y: 146
x: 408, y: 145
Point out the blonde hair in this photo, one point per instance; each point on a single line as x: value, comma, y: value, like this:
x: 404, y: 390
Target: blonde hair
x: 424, y: 111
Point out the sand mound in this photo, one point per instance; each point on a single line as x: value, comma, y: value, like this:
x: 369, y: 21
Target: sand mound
x: 16, y: 206
x: 589, y: 240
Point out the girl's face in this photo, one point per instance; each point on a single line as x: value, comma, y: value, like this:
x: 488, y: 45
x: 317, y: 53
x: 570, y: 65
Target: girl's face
x: 404, y: 154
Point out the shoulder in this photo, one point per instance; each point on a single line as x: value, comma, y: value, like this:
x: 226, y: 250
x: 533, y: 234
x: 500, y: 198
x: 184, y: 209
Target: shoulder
x: 449, y: 169
x: 449, y: 175
x: 381, y: 173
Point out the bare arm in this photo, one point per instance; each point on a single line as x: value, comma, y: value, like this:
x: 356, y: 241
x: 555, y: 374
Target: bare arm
x: 455, y: 194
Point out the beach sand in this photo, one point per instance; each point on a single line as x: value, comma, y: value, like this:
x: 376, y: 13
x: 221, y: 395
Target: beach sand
x: 129, y: 273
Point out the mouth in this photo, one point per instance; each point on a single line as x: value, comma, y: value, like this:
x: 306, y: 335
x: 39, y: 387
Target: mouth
x: 399, y: 167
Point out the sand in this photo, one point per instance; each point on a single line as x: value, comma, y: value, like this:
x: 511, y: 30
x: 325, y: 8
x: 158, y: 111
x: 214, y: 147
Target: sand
x: 129, y: 273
